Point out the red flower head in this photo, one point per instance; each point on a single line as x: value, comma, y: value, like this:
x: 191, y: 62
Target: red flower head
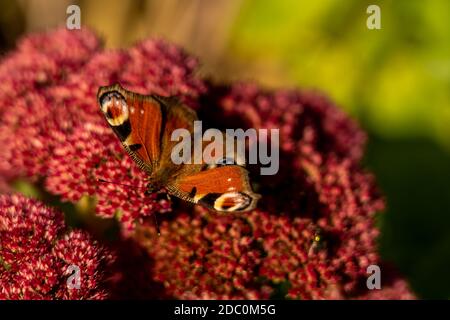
x: 37, y: 250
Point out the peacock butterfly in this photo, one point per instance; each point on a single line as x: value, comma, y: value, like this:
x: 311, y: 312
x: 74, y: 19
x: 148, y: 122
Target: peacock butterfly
x: 145, y: 123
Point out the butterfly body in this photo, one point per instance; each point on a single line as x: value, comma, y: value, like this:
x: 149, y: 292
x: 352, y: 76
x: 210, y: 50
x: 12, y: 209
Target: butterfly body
x: 144, y: 124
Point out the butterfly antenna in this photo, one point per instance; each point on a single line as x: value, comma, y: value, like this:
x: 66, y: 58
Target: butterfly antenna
x: 156, y: 224
x: 120, y: 184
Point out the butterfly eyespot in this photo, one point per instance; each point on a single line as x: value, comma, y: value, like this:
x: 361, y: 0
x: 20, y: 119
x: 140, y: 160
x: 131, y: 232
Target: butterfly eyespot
x: 225, y: 162
x: 222, y: 162
x: 232, y: 201
x: 228, y: 202
x: 115, y: 108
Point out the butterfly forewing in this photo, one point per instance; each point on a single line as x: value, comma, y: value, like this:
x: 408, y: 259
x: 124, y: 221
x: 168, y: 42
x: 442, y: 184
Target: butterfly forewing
x: 136, y: 120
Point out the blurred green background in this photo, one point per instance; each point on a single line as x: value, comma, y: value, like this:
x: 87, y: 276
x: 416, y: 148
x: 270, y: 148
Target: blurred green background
x: 395, y: 81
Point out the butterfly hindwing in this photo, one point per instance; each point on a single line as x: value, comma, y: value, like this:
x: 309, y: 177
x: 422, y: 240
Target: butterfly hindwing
x: 224, y: 188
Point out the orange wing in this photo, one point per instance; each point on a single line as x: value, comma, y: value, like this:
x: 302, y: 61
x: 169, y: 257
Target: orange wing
x: 225, y: 188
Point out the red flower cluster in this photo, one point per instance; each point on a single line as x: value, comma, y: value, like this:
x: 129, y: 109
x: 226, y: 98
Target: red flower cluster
x: 37, y: 249
x: 312, y: 237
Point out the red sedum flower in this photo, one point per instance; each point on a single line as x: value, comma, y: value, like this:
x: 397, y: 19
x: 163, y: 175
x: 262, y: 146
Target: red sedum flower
x: 37, y: 249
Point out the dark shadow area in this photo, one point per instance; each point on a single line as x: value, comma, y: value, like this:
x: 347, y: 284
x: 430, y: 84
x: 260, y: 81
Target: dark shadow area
x: 415, y: 229
x: 12, y: 25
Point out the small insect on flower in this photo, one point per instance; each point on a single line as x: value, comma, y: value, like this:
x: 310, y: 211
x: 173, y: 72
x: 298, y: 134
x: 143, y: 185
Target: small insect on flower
x: 319, y: 242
